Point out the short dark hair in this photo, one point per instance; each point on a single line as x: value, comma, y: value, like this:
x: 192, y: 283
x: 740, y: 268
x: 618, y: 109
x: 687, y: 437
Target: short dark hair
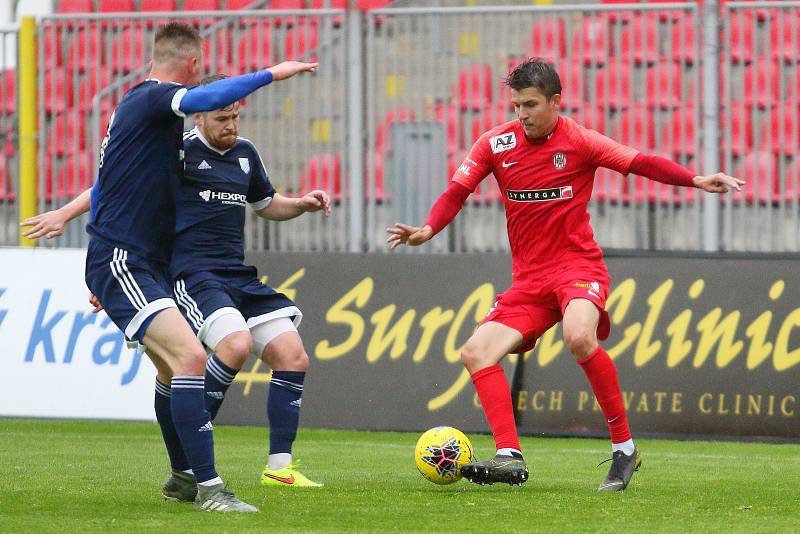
x: 212, y: 78
x: 537, y: 73
x: 175, y: 39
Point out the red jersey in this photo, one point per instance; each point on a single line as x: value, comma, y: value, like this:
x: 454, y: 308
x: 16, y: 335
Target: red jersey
x: 546, y: 189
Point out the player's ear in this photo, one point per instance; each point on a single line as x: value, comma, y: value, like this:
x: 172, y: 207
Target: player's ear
x: 557, y: 100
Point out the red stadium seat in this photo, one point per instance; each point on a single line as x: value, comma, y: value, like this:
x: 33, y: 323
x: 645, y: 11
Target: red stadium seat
x: 6, y: 181
x: 255, y: 48
x: 638, y: 40
x: 57, y: 92
x: 590, y: 116
x: 488, y: 119
x: 383, y: 133
x: 66, y: 132
x: 619, y: 16
x: 784, y: 38
x: 76, y: 6
x: 760, y: 172
x: 572, y: 84
x: 286, y: 4
x: 449, y: 114
x: 89, y: 87
x: 74, y: 176
x: 85, y: 49
x: 201, y: 5
x: 762, y: 83
x: 609, y: 186
x: 635, y: 128
x: 612, y: 87
x: 301, y: 41
x: 115, y: 6
x: 683, y: 41
x: 127, y: 51
x: 52, y: 46
x: 669, y: 16
x: 217, y: 51
x: 8, y: 92
x: 323, y: 171
x: 665, y: 86
x: 366, y: 5
x: 158, y: 5
x: 378, y: 191
x: 548, y: 39
x: 791, y: 186
x: 742, y: 41
x: 678, y: 134
x: 475, y: 87
x: 591, y: 41
x: 780, y: 131
x: 741, y: 128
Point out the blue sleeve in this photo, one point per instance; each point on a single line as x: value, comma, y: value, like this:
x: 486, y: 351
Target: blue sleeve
x: 220, y: 93
x: 261, y: 191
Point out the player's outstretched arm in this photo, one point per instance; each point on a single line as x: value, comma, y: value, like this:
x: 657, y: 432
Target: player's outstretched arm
x: 51, y: 224
x: 668, y: 172
x: 283, y: 208
x: 221, y: 93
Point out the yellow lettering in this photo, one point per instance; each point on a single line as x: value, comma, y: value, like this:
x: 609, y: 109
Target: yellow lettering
x: 737, y: 404
x: 786, y: 412
x: 676, y: 407
x: 556, y: 400
x: 783, y: 358
x: 642, y: 405
x: 522, y: 398
x: 431, y: 322
x: 338, y: 314
x: 660, y: 396
x: 721, y: 333
x: 549, y: 346
x: 480, y: 300
x: 760, y: 348
x: 583, y: 398
x: 679, y: 346
x: 645, y: 349
x: 627, y: 398
x: 383, y: 336
x: 617, y: 305
x: 754, y: 405
x: 771, y: 410
x: 451, y: 393
x: 286, y: 287
x: 721, y: 409
x: 701, y: 403
x: 536, y: 401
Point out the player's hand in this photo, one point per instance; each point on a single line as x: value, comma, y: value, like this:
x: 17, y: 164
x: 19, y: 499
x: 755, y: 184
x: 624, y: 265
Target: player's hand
x: 95, y: 302
x: 718, y: 183
x: 403, y: 234
x: 49, y: 224
x: 287, y: 69
x: 314, y: 201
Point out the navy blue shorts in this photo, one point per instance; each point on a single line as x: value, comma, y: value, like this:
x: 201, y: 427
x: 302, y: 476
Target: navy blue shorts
x: 131, y: 289
x: 204, y: 296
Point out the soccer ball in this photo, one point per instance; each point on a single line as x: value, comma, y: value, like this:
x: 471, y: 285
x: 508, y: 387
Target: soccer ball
x: 440, y: 453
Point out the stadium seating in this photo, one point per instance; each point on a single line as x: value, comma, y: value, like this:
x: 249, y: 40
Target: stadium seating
x: 89, y: 87
x: 255, y: 48
x: 665, y: 86
x: 636, y: 128
x: 760, y: 172
x: 158, y: 5
x: 678, y: 134
x: 740, y: 128
x: 57, y: 92
x: 638, y: 40
x: 572, y: 83
x: 201, y: 5
x: 620, y: 16
x: 301, y: 39
x: 127, y: 51
x: 591, y: 116
x: 792, y: 181
x: 780, y: 132
x: 742, y: 41
x: 286, y: 4
x: 52, y: 46
x: 76, y: 6
x: 6, y: 181
x: 217, y: 52
x: 85, y: 49
x: 451, y: 117
x: 612, y: 87
x: 683, y: 41
x: 548, y: 39
x: 784, y: 38
x: 591, y: 41
x: 73, y: 177
x: 669, y: 16
x: 762, y: 83
x: 8, y: 92
x: 323, y: 171
x: 378, y: 191
x: 65, y: 133
x: 115, y: 6
x: 488, y: 119
x: 474, y: 91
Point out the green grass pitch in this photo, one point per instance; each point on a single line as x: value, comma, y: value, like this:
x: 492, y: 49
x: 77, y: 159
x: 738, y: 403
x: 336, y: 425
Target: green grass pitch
x: 68, y: 476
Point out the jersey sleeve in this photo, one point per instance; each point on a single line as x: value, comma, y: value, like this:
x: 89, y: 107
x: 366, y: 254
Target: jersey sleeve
x: 604, y: 151
x: 165, y: 99
x: 476, y: 166
x: 261, y: 190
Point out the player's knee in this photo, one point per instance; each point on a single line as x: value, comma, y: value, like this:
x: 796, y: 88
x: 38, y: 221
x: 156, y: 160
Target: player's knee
x: 283, y: 356
x: 235, y: 348
x: 191, y: 360
x: 580, y: 341
x: 474, y: 356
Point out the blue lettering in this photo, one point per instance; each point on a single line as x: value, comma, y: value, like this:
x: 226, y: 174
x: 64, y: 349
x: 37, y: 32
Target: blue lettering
x: 128, y: 377
x: 115, y: 341
x: 81, y: 321
x: 2, y: 312
x: 43, y: 332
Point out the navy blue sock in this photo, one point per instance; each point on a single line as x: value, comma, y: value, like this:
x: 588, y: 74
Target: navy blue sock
x: 283, y: 409
x: 193, y: 423
x: 218, y: 379
x: 177, y: 458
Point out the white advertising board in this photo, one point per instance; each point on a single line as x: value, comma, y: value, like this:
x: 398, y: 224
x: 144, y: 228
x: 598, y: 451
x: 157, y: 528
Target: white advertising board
x: 57, y: 358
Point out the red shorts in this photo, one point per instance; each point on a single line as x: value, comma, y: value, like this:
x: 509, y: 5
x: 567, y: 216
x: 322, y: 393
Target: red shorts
x: 532, y: 307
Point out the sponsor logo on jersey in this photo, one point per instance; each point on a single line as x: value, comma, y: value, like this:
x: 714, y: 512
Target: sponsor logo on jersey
x: 593, y: 288
x: 559, y: 160
x: 226, y: 198
x: 503, y: 142
x: 244, y: 163
x: 464, y: 169
x: 204, y: 165
x: 540, y: 195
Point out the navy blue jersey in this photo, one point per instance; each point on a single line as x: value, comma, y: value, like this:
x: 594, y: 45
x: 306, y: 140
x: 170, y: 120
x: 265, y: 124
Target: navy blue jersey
x: 217, y: 187
x: 133, y: 200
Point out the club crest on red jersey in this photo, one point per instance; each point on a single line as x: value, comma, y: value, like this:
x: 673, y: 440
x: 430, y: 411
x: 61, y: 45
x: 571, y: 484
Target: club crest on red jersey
x: 559, y: 160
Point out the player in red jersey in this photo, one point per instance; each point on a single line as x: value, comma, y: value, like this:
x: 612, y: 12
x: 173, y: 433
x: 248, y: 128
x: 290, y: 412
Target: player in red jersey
x: 545, y: 164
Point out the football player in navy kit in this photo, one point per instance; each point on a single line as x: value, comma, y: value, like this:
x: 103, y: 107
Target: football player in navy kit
x: 132, y: 228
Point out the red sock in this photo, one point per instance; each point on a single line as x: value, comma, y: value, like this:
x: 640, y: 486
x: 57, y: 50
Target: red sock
x: 602, y: 375
x: 495, y: 395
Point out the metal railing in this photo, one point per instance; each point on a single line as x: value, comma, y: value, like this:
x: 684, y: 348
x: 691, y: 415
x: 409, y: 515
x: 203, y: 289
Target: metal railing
x: 403, y: 93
